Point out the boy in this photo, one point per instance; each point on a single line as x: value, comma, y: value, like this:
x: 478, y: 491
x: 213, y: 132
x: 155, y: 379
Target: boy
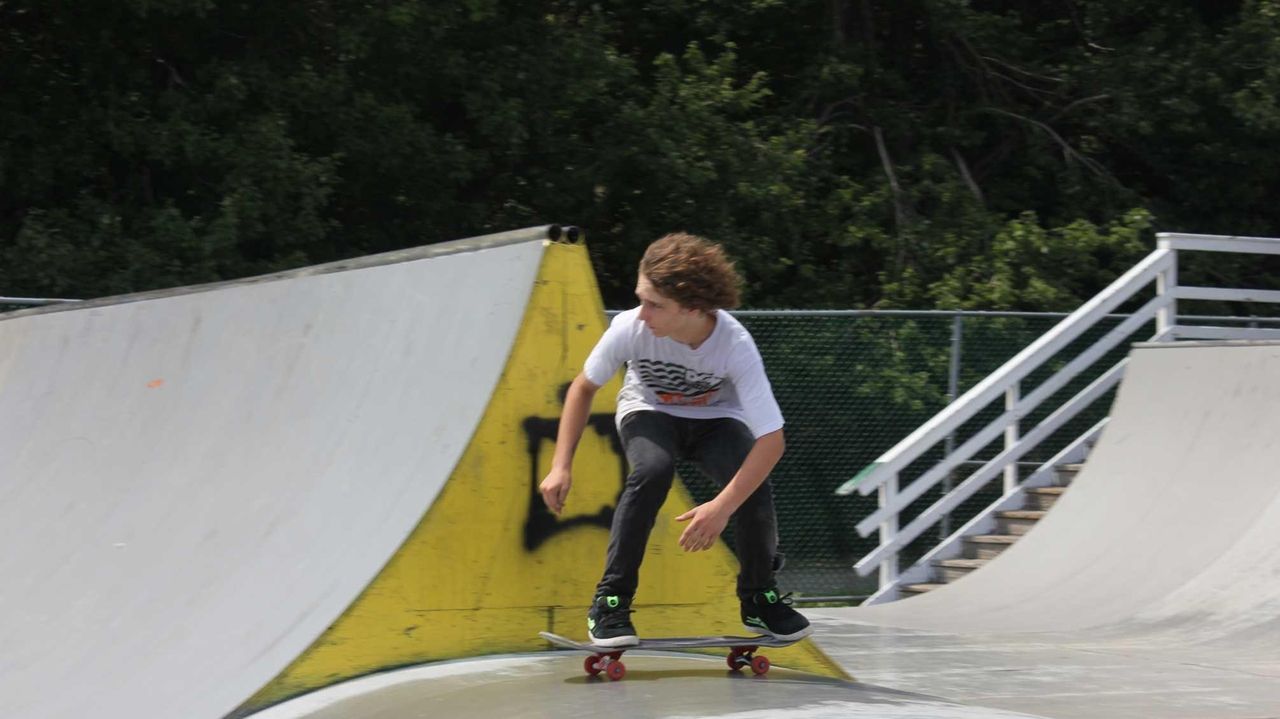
x: 695, y: 387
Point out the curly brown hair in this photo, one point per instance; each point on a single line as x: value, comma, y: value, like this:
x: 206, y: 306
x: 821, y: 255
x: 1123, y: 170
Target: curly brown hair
x: 692, y: 271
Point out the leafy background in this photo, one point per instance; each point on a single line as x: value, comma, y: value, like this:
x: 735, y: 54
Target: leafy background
x: 995, y: 154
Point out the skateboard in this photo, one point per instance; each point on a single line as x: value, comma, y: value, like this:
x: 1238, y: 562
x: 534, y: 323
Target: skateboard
x: 608, y: 660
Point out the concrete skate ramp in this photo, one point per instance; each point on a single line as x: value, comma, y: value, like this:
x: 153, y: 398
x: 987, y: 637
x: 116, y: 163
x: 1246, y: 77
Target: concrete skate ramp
x: 489, y: 566
x: 218, y: 498
x: 195, y: 484
x: 1151, y: 589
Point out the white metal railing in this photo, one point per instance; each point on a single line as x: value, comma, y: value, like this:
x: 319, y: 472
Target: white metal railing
x: 896, y: 492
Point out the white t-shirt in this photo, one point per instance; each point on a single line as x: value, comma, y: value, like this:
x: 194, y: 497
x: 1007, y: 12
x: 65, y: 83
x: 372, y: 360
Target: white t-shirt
x: 724, y: 377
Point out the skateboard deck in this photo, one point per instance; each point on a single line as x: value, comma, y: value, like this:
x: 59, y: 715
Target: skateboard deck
x: 607, y: 660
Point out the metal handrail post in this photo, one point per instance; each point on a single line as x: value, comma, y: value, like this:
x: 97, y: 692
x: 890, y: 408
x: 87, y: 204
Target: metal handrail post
x: 1167, y: 285
x: 889, y: 533
x: 953, y: 391
x: 1011, y: 436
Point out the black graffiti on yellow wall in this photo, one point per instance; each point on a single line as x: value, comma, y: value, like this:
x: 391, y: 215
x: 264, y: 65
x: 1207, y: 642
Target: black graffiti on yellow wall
x: 540, y: 432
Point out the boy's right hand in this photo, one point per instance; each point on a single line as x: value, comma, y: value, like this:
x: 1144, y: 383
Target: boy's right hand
x: 555, y: 488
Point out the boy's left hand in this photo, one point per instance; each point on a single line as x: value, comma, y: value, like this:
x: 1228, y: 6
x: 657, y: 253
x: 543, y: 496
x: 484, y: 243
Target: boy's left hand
x: 706, y: 522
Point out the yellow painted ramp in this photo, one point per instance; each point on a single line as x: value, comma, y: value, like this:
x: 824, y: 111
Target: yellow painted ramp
x: 488, y: 567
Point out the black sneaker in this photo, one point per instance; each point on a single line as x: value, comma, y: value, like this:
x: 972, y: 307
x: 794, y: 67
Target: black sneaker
x: 609, y: 622
x: 768, y: 613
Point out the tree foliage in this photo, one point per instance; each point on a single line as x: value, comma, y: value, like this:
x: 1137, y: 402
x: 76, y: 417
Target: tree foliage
x: 851, y: 153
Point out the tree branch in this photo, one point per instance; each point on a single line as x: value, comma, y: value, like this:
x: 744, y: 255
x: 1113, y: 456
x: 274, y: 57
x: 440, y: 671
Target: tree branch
x: 968, y: 178
x: 1020, y: 71
x: 1084, y: 35
x: 1082, y: 101
x: 1068, y: 151
x: 900, y: 213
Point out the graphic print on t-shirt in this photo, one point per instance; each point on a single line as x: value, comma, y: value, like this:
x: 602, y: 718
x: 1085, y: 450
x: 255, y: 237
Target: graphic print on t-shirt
x: 676, y: 384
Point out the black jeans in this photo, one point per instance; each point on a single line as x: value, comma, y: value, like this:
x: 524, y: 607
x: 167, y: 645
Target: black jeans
x: 652, y: 442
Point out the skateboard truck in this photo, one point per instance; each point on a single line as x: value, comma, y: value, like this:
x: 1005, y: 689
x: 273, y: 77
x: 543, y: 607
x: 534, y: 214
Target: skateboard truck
x: 740, y: 657
x: 610, y: 663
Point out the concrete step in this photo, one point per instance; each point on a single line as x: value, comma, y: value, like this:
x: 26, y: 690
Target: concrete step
x: 1043, y: 498
x: 987, y: 546
x: 1011, y: 525
x: 1018, y: 521
x: 1065, y: 473
x: 950, y: 570
x: 911, y: 590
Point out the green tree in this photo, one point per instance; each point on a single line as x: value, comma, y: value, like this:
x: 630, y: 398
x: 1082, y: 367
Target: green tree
x: 849, y: 152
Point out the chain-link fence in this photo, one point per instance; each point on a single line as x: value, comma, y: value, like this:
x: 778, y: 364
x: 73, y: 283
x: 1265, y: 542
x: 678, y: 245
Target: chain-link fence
x: 853, y: 384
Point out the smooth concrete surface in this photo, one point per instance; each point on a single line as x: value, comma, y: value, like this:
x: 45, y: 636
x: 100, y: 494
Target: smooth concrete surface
x: 1055, y: 674
x: 1152, y: 589
x: 194, y: 485
x: 553, y: 685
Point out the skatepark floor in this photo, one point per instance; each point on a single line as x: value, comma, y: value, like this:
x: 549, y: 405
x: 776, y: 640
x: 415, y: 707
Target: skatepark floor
x: 1058, y: 675
x: 658, y: 684
x: 900, y: 673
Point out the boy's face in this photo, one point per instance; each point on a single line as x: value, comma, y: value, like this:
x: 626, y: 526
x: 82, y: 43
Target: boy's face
x: 661, y: 315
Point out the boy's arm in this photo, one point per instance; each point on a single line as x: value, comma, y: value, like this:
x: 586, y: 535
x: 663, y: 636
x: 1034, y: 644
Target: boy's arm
x: 707, y: 521
x: 573, y: 420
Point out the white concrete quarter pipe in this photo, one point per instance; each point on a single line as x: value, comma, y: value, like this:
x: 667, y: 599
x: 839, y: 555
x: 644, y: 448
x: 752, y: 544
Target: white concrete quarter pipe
x: 194, y: 485
x: 1151, y: 589
x: 217, y: 499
